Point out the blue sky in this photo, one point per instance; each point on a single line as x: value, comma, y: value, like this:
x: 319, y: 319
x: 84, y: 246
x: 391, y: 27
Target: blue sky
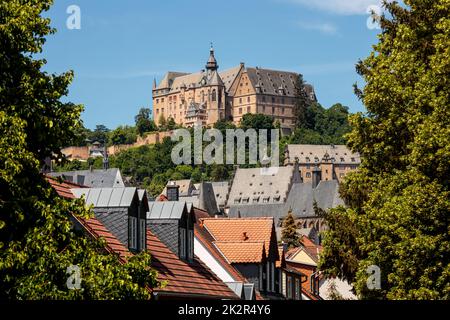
x: 123, y: 45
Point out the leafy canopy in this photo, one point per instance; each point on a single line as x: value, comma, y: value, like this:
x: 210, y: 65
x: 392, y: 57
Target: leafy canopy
x: 399, y: 200
x: 37, y: 239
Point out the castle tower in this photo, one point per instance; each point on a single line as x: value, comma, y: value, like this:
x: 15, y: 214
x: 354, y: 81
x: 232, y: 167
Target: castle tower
x: 215, y: 89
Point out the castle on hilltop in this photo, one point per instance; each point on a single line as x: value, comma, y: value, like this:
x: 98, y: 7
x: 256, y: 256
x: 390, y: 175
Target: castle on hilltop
x: 207, y: 96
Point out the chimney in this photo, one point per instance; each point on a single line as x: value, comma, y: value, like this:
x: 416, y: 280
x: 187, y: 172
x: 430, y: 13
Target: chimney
x: 173, y: 192
x: 316, y: 176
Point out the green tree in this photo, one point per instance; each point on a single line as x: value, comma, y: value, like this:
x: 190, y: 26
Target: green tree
x: 302, y: 102
x: 37, y: 241
x: 289, y: 233
x: 256, y: 121
x: 171, y: 124
x: 399, y: 200
x: 122, y: 135
x: 100, y: 134
x: 143, y: 122
x: 162, y: 123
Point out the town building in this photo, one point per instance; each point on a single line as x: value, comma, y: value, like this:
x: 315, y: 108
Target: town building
x: 204, y: 97
x: 115, y: 222
x: 304, y: 260
x: 256, y: 194
x: 322, y: 162
x: 250, y: 246
x: 200, y: 195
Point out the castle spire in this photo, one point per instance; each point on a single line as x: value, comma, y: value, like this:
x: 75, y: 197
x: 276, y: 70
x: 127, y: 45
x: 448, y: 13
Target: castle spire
x: 212, y: 63
x: 154, y: 83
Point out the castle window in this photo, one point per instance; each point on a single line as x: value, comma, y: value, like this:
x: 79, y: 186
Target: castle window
x: 248, y: 99
x: 157, y: 100
x: 240, y: 100
x: 308, y: 174
x: 213, y: 96
x: 273, y: 100
x: 240, y: 110
x: 264, y: 99
x: 248, y: 109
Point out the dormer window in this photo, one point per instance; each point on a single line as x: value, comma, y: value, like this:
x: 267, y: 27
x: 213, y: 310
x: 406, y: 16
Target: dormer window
x: 182, y: 243
x: 132, y: 232
x: 245, y: 200
x: 142, y: 235
x: 190, y: 245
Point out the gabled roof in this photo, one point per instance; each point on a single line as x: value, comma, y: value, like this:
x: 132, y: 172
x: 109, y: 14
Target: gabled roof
x: 261, y: 186
x: 97, y: 230
x: 92, y: 225
x: 96, y: 178
x: 189, y: 279
x: 309, y: 247
x: 242, y: 251
x: 185, y: 185
x: 106, y: 197
x: 233, y: 229
x: 207, y: 240
x: 271, y: 80
x: 184, y: 279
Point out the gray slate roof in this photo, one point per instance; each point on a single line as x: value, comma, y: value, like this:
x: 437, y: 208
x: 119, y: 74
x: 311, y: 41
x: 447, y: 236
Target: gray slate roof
x: 220, y: 192
x: 106, y: 197
x: 271, y: 80
x: 255, y: 185
x: 166, y: 209
x: 96, y: 178
x: 300, y: 199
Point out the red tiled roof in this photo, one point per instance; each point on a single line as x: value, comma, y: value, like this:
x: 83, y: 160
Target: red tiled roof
x: 281, y: 261
x: 242, y: 251
x: 199, y: 213
x: 233, y: 229
x: 92, y: 225
x: 63, y: 188
x: 312, y: 249
x: 97, y: 230
x: 207, y: 241
x: 184, y: 278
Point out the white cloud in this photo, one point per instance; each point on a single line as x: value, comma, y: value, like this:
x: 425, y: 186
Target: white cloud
x: 326, y: 28
x: 342, y: 7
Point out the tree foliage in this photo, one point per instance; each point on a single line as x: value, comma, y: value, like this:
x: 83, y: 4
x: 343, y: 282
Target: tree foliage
x: 37, y: 241
x: 289, y: 233
x: 323, y: 126
x: 399, y: 201
x: 143, y: 122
